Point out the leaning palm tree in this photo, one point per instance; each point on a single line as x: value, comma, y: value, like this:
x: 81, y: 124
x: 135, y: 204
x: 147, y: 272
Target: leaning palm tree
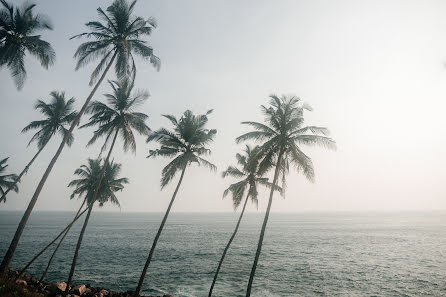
x: 85, y: 186
x: 282, y: 134
x: 7, y: 180
x: 58, y: 114
x: 18, y: 28
x: 250, y: 175
x: 114, y: 42
x: 186, y: 144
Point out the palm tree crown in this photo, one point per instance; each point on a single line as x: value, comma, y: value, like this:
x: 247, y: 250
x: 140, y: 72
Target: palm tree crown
x: 59, y: 113
x: 18, y: 28
x: 119, y: 115
x: 6, y: 180
x: 250, y: 175
x: 284, y: 132
x: 187, y: 143
x: 118, y: 35
x: 88, y: 181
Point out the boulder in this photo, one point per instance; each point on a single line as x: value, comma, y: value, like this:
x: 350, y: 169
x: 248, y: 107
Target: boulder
x: 79, y: 290
x: 61, y: 286
x: 21, y: 282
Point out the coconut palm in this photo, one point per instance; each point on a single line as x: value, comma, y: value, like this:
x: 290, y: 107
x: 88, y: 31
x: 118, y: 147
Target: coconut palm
x: 186, y: 144
x: 85, y: 186
x: 18, y: 29
x: 250, y: 175
x: 58, y: 115
x: 7, y: 180
x: 282, y: 134
x: 114, y: 42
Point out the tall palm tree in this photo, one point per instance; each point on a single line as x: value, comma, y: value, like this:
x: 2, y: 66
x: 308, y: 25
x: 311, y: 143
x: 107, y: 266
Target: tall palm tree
x: 18, y: 29
x: 85, y: 186
x: 186, y: 144
x: 7, y: 180
x: 114, y: 42
x: 250, y: 175
x: 58, y: 114
x: 282, y: 134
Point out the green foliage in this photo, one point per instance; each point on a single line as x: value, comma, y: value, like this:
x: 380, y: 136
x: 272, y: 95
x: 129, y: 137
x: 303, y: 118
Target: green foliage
x: 58, y: 114
x: 284, y: 132
x: 117, y: 32
x: 89, y: 176
x: 6, y: 180
x: 186, y: 143
x: 119, y: 115
x: 18, y: 28
x: 250, y: 176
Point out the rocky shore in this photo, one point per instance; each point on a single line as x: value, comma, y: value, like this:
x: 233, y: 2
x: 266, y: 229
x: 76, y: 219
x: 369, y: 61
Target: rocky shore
x: 29, y: 286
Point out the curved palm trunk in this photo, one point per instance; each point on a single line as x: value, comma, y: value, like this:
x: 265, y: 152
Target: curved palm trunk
x: 155, y: 241
x: 15, y: 241
x: 3, y: 198
x: 51, y: 243
x: 78, y: 246
x: 58, y: 245
x: 265, y: 221
x: 227, y: 247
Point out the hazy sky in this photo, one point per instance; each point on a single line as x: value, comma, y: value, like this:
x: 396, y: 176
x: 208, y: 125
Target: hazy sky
x: 372, y: 70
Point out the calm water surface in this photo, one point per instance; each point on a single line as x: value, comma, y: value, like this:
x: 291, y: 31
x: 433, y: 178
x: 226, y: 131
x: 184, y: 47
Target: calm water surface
x: 311, y: 254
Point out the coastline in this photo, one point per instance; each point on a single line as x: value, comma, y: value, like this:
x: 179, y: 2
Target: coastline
x: 30, y: 286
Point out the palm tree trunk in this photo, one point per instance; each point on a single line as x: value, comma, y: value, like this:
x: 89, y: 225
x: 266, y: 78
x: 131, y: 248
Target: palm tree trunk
x: 155, y: 241
x: 78, y: 246
x: 15, y: 241
x: 227, y: 246
x: 51, y: 243
x: 58, y: 245
x: 265, y: 221
x: 21, y: 174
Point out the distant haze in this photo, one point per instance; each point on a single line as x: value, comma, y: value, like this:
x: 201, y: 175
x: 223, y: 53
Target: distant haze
x: 372, y: 70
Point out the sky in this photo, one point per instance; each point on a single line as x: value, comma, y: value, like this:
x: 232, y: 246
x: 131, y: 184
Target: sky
x: 374, y: 72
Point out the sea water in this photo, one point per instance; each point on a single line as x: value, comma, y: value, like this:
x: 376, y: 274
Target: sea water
x: 304, y: 254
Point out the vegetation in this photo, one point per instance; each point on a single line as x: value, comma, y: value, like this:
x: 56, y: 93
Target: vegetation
x: 185, y: 144
x: 86, y: 186
x: 281, y: 137
x: 18, y: 28
x: 114, y: 41
x: 7, y: 180
x: 58, y: 114
x: 250, y: 175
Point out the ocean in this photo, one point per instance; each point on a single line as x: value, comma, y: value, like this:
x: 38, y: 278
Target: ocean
x: 304, y: 254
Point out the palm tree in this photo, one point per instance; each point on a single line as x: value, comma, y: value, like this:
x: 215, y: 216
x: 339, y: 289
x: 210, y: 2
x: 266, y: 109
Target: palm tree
x: 58, y: 114
x: 282, y: 134
x: 86, y: 185
x: 114, y: 42
x: 250, y: 175
x: 18, y: 28
x: 7, y: 180
x: 186, y: 144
